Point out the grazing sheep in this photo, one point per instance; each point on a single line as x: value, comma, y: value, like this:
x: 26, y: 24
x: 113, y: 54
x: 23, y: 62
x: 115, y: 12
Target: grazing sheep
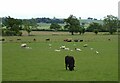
x: 23, y: 45
x: 71, y: 50
x: 57, y: 50
x: 91, y: 48
x: 97, y: 52
x: 77, y: 49
x: 62, y: 47
x: 28, y: 47
x: 50, y: 45
x: 85, y: 45
x: 67, y: 49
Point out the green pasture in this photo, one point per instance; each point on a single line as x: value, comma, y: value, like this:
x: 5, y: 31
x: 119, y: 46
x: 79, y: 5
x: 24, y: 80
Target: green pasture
x: 42, y: 63
x: 46, y: 25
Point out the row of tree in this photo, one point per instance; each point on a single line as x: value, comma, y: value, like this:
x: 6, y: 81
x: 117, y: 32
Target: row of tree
x: 43, y: 20
x: 110, y: 24
x: 14, y: 26
x: 72, y: 24
x: 48, y: 20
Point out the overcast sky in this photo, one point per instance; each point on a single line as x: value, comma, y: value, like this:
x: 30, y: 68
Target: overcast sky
x: 58, y: 8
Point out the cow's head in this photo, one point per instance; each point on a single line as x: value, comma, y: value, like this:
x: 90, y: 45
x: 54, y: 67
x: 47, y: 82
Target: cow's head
x: 71, y: 67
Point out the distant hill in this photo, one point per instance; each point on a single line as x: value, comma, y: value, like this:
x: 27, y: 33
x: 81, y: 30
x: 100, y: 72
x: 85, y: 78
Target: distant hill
x: 88, y: 21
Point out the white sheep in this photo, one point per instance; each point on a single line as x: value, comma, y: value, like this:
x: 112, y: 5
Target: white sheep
x: 91, y: 48
x: 62, y: 47
x: 85, y: 45
x: 67, y: 49
x: 50, y: 45
x: 78, y: 49
x: 57, y: 50
x: 97, y: 52
x: 71, y: 50
x: 24, y: 45
x: 28, y: 47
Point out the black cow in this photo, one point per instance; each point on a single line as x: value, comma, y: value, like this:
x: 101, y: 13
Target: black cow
x: 76, y: 40
x: 69, y: 62
x: 18, y: 39
x: 47, y: 39
x: 81, y: 40
x: 34, y: 39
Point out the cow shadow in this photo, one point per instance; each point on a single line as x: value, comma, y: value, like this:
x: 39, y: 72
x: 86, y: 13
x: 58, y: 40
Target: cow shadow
x: 64, y: 70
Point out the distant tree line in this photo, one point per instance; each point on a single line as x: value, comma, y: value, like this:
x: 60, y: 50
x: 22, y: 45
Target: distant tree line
x: 48, y: 20
x: 14, y: 26
x: 110, y: 24
x: 42, y: 20
x: 91, y: 18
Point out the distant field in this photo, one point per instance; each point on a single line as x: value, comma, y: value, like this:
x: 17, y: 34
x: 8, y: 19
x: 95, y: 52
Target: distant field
x: 86, y: 21
x: 24, y: 33
x: 42, y: 63
x: 46, y: 25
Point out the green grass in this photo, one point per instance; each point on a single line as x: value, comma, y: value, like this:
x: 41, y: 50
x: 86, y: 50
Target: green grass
x: 46, y: 25
x: 42, y: 63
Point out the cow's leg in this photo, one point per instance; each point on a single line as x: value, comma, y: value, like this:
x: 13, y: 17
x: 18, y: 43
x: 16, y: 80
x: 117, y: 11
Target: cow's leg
x: 73, y: 68
x: 66, y: 66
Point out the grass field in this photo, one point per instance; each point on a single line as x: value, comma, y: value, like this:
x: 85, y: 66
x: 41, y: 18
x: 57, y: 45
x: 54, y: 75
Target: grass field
x: 42, y: 63
x: 47, y: 25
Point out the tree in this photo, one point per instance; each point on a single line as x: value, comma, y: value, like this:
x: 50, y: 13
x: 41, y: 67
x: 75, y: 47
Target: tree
x: 27, y: 26
x: 13, y: 26
x: 94, y: 27
x: 111, y: 23
x: 82, y: 29
x: 55, y: 26
x: 118, y: 27
x: 28, y: 29
x: 96, y: 31
x: 33, y: 23
x: 72, y: 24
